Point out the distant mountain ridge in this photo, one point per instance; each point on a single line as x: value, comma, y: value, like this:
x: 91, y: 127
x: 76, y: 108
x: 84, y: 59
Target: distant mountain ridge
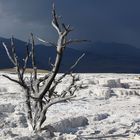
x: 42, y: 53
x: 112, y: 48
x: 100, y: 57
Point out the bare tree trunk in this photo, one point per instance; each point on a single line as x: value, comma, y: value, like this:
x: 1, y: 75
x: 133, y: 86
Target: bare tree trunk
x: 40, y: 98
x: 28, y: 107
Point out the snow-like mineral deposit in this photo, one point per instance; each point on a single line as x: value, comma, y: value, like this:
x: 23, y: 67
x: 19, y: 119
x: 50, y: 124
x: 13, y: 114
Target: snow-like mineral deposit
x: 107, y: 106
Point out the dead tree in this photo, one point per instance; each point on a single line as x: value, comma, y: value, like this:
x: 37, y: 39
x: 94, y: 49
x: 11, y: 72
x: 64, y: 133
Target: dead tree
x: 40, y: 92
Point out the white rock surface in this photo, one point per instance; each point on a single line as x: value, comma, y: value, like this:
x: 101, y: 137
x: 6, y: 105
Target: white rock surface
x: 70, y: 125
x: 110, y: 103
x: 102, y: 92
x: 112, y: 83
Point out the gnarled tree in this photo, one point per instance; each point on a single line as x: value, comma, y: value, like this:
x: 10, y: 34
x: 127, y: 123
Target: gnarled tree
x: 40, y: 92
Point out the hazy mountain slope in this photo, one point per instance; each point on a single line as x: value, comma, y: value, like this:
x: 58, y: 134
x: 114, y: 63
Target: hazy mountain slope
x: 100, y: 57
x: 112, y: 57
x: 43, y: 53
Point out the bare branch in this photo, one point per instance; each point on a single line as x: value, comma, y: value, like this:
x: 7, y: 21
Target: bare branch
x: 14, y: 60
x: 28, y: 54
x: 50, y: 63
x: 17, y: 65
x: 75, y: 64
x: 35, y: 98
x: 8, y: 54
x: 67, y: 28
x: 47, y: 42
x: 27, y: 48
x: 16, y: 81
x: 71, y: 68
x: 31, y: 83
x: 33, y: 57
x: 25, y: 63
x: 55, y: 22
x: 61, y: 77
x: 57, y: 100
x: 75, y: 41
x: 41, y: 79
x: 71, y: 88
x: 13, y: 49
x: 66, y: 73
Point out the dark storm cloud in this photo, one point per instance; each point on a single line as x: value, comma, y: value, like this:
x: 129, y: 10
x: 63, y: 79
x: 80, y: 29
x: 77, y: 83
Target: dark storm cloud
x: 105, y: 20
x: 22, y: 17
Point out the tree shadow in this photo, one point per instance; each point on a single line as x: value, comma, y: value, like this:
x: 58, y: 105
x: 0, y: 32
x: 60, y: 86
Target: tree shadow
x: 52, y: 129
x: 105, y: 136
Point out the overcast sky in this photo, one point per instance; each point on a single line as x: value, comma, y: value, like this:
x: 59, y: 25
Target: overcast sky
x: 96, y: 20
